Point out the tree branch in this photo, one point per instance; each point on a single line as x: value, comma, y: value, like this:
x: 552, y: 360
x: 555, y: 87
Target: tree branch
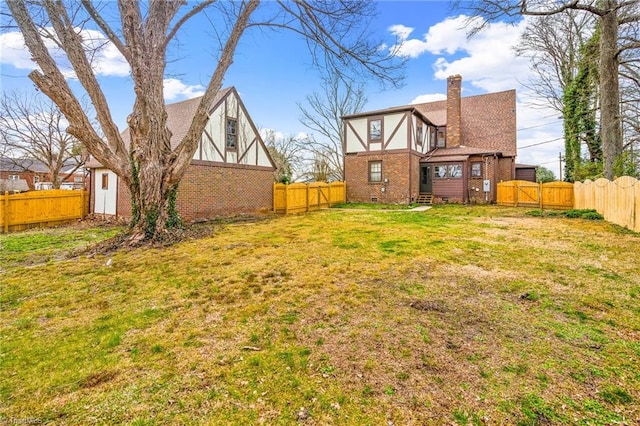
x: 106, y: 29
x: 54, y: 85
x: 197, y: 9
x: 184, y: 151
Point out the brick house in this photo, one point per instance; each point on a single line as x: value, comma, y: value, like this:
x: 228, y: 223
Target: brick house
x: 454, y: 150
x: 231, y: 171
x: 37, y: 175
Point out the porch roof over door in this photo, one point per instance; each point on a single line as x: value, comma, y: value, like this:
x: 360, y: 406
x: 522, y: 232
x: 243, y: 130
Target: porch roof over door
x: 445, y: 159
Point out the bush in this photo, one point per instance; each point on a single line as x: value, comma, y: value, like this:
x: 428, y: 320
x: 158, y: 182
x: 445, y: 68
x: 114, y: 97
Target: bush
x: 592, y: 215
x: 571, y: 214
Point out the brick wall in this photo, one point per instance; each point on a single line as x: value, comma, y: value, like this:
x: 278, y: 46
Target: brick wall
x: 454, y: 111
x: 208, y: 191
x: 499, y: 170
x: 397, y: 168
x: 415, y: 177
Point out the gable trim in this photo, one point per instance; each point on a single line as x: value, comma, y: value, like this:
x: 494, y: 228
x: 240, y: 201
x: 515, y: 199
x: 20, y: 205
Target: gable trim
x: 364, y: 145
x: 246, y: 151
x: 212, y: 144
x: 260, y: 143
x: 404, y: 117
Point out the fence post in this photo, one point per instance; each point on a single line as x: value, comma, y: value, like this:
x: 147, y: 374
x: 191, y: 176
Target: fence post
x: 306, y: 190
x: 82, y: 201
x: 274, y: 197
x: 286, y: 199
x: 6, y: 212
x: 344, y: 192
x: 540, y: 197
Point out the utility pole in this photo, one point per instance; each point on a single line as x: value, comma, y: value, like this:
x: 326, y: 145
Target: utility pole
x: 560, y: 158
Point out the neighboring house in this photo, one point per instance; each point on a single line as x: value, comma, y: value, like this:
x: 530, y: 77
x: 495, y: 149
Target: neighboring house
x: 13, y: 186
x: 231, y: 171
x: 526, y: 172
x: 454, y: 150
x: 37, y: 175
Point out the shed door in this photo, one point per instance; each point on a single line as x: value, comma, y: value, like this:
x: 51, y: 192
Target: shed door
x: 425, y: 180
x: 105, y: 187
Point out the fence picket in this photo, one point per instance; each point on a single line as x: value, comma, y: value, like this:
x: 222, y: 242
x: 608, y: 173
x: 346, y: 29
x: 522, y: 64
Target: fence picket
x: 520, y: 193
x: 42, y: 208
x: 617, y: 201
x: 301, y: 197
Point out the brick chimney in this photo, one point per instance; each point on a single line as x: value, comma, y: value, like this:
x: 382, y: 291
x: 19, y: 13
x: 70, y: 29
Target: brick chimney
x: 454, y: 87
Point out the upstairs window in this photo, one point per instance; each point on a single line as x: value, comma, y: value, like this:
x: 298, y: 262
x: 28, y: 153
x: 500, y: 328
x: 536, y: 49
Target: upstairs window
x: 375, y: 171
x: 375, y: 130
x: 419, y: 134
x: 432, y: 138
x: 476, y: 169
x: 232, y: 133
x: 440, y: 143
x: 14, y: 177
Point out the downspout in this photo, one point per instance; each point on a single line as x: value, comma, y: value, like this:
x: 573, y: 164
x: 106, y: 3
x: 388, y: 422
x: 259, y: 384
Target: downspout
x: 495, y: 179
x: 486, y: 177
x: 410, y: 139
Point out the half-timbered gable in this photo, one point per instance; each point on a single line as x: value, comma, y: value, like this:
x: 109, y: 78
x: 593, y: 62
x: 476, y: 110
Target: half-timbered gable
x: 231, y: 170
x: 457, y: 149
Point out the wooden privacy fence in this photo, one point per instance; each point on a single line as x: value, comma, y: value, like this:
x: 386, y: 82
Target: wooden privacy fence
x: 304, y: 197
x: 42, y: 208
x: 617, y: 201
x: 550, y: 195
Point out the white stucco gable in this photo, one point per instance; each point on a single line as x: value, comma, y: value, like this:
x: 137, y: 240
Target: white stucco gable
x: 231, y: 137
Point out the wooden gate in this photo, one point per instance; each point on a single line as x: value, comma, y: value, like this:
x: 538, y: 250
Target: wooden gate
x: 550, y: 195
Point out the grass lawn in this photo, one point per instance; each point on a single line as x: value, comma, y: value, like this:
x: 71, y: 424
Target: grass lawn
x: 457, y: 315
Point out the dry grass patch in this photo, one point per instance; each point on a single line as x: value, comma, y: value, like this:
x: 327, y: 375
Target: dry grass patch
x: 456, y: 315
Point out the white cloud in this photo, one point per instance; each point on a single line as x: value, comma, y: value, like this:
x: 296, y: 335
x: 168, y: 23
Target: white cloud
x: 447, y: 36
x: 174, y: 88
x: 488, y: 62
x: 106, y: 60
x: 405, y: 47
x: 401, y: 31
x: 429, y: 97
x: 14, y: 51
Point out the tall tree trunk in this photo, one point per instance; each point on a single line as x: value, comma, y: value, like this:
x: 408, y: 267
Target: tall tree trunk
x: 610, y: 129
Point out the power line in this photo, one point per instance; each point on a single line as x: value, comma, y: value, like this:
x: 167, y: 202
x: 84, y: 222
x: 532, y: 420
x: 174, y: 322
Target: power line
x: 541, y: 143
x: 537, y: 125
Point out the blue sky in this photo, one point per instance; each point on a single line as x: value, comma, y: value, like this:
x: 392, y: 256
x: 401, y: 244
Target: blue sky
x: 271, y: 71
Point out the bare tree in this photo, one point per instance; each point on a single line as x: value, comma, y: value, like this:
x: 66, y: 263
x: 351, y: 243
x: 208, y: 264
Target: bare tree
x: 320, y: 170
x: 552, y: 43
x: 147, y: 163
x: 614, y: 18
x: 340, y: 96
x: 34, y: 129
x: 287, y: 153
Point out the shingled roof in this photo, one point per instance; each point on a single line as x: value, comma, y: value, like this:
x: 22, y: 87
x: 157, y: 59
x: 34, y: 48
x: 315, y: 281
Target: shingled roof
x: 179, y: 117
x: 8, y: 164
x: 180, y: 114
x: 488, y: 121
